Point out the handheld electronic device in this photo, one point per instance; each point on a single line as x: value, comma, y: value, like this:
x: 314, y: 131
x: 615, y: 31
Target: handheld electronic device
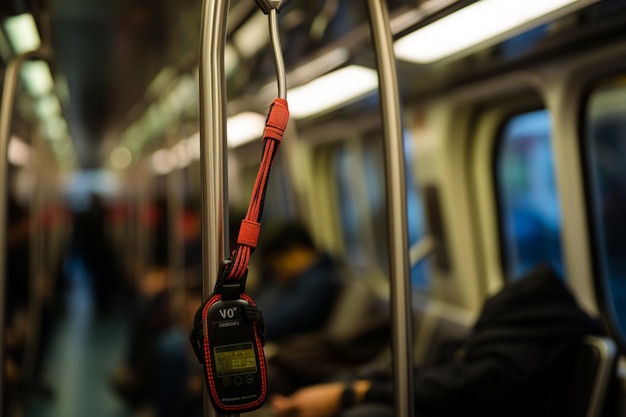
x: 228, y: 334
x: 228, y: 339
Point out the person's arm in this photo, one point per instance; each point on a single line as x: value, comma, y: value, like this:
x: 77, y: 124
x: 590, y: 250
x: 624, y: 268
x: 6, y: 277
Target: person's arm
x: 325, y: 400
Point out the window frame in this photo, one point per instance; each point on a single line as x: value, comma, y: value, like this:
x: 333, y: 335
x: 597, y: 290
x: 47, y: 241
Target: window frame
x: 488, y: 122
x: 600, y: 283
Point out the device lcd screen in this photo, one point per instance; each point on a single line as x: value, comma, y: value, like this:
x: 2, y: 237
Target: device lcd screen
x: 235, y: 359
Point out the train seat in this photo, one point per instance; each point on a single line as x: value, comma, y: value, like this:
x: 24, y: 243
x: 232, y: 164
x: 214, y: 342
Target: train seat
x: 354, y: 303
x: 436, y: 326
x: 592, y: 372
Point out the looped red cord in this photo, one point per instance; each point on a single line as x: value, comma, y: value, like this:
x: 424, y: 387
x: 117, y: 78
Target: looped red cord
x: 248, y: 237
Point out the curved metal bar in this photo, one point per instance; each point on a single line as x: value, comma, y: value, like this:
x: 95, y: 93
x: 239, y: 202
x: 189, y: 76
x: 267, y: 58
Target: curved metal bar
x: 212, y: 82
x: 11, y: 79
x: 281, y: 75
x: 396, y: 208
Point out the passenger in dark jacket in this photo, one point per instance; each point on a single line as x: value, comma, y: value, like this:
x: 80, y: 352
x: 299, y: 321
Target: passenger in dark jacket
x: 301, y: 283
x: 514, y: 362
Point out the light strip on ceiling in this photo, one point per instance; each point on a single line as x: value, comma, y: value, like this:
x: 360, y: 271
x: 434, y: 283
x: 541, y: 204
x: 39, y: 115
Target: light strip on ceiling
x: 19, y: 152
x: 244, y: 127
x: 331, y: 90
x: 252, y: 36
x: 308, y: 71
x: 317, y: 66
x: 473, y: 25
x: 37, y: 77
x: 22, y: 33
x: 48, y: 105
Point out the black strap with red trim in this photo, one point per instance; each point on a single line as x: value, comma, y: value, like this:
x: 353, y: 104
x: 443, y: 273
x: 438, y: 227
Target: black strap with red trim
x: 229, y: 332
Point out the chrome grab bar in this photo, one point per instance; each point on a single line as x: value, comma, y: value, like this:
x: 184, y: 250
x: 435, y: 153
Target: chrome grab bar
x: 11, y: 79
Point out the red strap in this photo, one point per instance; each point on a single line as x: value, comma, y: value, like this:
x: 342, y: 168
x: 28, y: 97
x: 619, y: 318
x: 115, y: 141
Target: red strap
x: 249, y: 233
x: 248, y: 237
x: 277, y: 119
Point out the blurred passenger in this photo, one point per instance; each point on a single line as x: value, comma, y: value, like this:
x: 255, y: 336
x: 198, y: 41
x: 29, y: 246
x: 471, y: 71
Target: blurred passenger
x: 27, y: 335
x: 150, y: 317
x: 178, y: 386
x: 156, y: 364
x: 515, y: 362
x: 300, y: 283
x: 93, y: 247
x: 16, y: 300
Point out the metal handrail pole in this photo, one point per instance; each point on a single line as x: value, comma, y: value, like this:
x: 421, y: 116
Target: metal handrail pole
x: 11, y: 79
x: 212, y: 82
x: 281, y: 74
x: 396, y: 208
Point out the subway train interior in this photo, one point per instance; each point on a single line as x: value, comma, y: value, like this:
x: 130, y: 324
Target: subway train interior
x: 507, y: 163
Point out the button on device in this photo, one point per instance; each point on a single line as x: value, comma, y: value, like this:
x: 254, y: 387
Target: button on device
x: 226, y: 382
x: 238, y: 380
x: 249, y: 379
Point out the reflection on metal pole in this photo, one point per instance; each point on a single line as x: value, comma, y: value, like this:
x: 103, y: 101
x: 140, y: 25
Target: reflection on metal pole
x: 396, y: 208
x: 11, y: 78
x: 213, y: 145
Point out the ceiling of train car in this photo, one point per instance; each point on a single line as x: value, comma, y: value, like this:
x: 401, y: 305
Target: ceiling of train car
x: 109, y: 51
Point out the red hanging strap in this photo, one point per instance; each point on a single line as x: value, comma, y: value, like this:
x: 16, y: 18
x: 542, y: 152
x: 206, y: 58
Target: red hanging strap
x: 248, y: 237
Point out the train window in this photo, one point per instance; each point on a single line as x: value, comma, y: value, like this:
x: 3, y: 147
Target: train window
x: 605, y: 152
x: 530, y: 221
x: 359, y: 185
x: 416, y: 216
x: 279, y: 199
x: 361, y: 193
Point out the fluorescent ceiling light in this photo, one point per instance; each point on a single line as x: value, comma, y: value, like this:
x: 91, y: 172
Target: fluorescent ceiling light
x: 37, y: 77
x: 318, y: 66
x: 48, y: 105
x: 121, y: 157
x: 484, y: 20
x: 161, y: 163
x: 54, y: 128
x: 19, y: 153
x: 164, y: 78
x: 22, y: 33
x: 252, y: 36
x: 193, y: 146
x: 244, y: 127
x: 306, y: 72
x: 331, y: 90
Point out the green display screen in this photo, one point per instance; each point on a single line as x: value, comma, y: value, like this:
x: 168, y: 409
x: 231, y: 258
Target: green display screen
x: 235, y: 359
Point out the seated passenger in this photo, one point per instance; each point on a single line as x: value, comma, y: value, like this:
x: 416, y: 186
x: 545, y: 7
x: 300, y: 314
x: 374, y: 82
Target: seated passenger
x: 515, y: 362
x: 300, y: 285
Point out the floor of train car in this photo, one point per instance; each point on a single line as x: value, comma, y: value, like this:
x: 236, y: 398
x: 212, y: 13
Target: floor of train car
x: 83, y: 351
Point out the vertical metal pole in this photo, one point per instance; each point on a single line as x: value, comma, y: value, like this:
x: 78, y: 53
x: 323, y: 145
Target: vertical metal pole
x: 11, y: 78
x: 212, y: 145
x: 396, y: 208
